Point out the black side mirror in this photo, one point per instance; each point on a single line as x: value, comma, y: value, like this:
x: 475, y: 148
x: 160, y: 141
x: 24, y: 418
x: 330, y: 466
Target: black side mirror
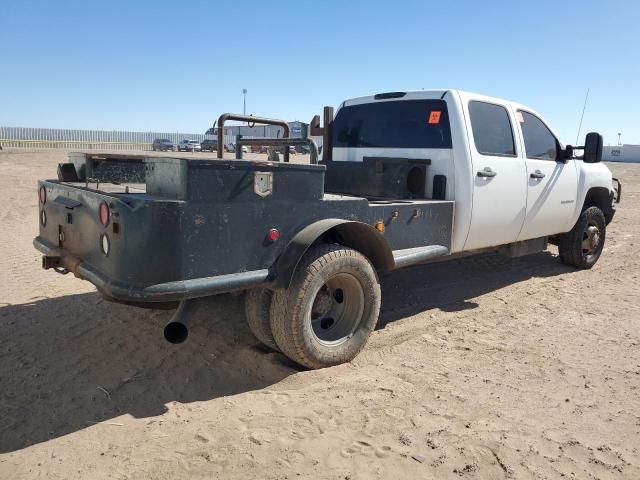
x: 593, y: 148
x: 565, y: 154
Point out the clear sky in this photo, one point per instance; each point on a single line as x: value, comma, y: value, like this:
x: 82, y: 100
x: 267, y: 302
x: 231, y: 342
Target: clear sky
x: 175, y: 66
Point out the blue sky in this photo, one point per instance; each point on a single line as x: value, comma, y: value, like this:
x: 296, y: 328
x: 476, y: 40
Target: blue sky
x: 175, y: 66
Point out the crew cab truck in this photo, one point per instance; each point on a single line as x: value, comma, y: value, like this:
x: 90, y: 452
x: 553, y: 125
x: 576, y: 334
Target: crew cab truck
x: 405, y: 178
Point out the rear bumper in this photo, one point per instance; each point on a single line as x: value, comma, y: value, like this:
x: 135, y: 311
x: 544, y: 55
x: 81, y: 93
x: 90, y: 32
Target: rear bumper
x: 62, y: 261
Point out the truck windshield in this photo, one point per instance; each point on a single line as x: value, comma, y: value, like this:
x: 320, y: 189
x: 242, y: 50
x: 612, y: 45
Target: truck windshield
x: 393, y: 124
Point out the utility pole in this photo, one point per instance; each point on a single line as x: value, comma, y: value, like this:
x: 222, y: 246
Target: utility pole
x: 619, y: 141
x: 244, y: 101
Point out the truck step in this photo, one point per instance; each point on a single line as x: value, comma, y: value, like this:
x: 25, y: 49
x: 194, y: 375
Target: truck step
x: 414, y: 256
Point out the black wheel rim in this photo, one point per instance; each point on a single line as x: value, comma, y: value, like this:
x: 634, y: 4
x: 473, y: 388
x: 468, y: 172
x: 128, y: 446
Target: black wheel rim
x: 337, y: 309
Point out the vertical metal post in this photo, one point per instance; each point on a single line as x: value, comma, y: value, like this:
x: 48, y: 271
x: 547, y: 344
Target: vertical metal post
x: 238, y: 148
x: 327, y: 134
x: 244, y: 101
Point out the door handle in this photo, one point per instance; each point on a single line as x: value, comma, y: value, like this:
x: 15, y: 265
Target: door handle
x: 487, y: 172
x: 537, y: 174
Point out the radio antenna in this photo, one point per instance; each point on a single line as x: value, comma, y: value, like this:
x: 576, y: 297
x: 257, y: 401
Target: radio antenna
x: 584, y: 107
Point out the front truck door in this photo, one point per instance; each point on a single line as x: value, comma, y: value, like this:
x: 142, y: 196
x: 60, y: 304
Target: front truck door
x: 499, y: 176
x: 552, y: 184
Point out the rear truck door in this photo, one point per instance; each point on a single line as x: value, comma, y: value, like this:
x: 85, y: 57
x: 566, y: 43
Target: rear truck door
x: 552, y: 184
x: 499, y: 174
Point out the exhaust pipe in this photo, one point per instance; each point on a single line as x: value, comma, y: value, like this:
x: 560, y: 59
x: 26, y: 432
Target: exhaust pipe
x: 176, y: 330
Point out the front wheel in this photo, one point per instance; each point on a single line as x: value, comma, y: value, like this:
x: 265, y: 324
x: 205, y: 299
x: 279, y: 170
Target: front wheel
x: 582, y: 246
x: 326, y: 315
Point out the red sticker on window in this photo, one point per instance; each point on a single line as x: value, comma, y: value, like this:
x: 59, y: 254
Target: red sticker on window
x: 434, y: 117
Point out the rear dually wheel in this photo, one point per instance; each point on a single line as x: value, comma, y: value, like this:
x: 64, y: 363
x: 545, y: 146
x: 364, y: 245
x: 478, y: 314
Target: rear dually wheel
x: 326, y: 315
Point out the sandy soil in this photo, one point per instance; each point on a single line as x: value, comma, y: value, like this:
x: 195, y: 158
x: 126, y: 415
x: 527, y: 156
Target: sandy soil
x: 481, y: 368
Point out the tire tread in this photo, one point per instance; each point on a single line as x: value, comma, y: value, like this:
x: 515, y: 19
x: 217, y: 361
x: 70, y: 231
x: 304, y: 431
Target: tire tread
x: 286, y: 304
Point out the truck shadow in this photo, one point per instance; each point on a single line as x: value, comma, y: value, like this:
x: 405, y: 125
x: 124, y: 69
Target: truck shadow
x: 450, y: 286
x: 69, y: 362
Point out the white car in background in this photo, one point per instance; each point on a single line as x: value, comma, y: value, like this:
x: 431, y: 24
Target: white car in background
x: 189, y: 146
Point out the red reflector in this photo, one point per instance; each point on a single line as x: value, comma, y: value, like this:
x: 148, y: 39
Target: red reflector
x: 273, y: 235
x: 104, y: 214
x: 43, y: 195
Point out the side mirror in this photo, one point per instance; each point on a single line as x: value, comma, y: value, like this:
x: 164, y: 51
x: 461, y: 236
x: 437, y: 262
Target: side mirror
x: 565, y: 154
x: 593, y: 148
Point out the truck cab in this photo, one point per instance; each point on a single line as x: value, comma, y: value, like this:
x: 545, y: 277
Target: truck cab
x: 502, y: 164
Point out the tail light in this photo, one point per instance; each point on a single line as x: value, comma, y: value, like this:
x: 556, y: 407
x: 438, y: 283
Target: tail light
x: 104, y: 214
x: 273, y: 235
x: 43, y: 195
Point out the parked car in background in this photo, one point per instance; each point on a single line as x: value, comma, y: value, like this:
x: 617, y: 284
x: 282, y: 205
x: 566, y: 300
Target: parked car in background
x: 231, y: 147
x: 292, y: 149
x: 189, y: 146
x: 163, y: 145
x: 209, y: 145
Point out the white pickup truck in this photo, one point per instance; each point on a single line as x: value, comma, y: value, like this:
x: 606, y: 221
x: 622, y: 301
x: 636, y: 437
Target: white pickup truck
x: 405, y: 178
x: 509, y: 175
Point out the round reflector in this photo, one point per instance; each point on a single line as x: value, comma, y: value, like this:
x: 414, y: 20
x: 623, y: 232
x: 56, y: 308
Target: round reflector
x: 273, y: 235
x: 43, y: 195
x: 105, y: 245
x: 104, y: 213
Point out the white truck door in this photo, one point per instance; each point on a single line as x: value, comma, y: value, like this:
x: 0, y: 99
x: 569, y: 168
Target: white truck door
x: 499, y: 174
x: 552, y: 184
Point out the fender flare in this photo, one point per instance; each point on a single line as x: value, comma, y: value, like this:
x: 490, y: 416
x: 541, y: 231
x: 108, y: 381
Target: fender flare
x: 602, y: 198
x: 357, y: 235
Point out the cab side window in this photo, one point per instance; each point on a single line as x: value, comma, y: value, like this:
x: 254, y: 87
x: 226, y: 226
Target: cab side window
x: 492, y: 132
x: 539, y: 142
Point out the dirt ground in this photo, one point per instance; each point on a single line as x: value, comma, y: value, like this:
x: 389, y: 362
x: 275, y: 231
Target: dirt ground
x: 481, y: 368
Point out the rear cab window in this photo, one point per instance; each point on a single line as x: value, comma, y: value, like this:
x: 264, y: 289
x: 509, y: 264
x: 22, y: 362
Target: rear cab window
x: 393, y: 124
x: 492, y: 130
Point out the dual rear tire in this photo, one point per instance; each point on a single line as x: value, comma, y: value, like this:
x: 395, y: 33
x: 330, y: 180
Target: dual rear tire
x: 327, y: 313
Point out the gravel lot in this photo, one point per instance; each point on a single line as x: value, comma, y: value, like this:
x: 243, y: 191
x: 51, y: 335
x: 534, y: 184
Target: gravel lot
x: 481, y: 368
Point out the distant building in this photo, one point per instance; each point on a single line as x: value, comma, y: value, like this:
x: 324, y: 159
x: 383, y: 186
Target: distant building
x: 621, y: 153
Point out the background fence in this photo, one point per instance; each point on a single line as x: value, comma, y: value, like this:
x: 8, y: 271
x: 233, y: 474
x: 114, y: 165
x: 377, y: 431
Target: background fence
x: 91, y: 139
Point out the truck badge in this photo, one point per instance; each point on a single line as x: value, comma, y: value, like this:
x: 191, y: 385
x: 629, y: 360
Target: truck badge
x: 263, y: 183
